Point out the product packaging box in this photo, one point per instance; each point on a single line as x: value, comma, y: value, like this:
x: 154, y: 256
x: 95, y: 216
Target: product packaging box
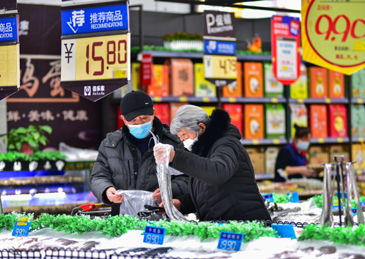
x: 275, y: 121
x: 235, y: 112
x: 336, y: 84
x: 273, y: 88
x: 208, y: 109
x: 235, y: 89
x: 162, y: 111
x: 253, y: 121
x: 257, y: 157
x: 299, y: 89
x: 358, y: 120
x: 318, y: 80
x: 174, y: 107
x: 181, y: 76
x: 298, y: 115
x: 136, y: 76
x: 318, y: 155
x: 337, y: 115
x: 271, y: 154
x: 203, y: 88
x: 358, y: 155
x: 253, y: 79
x: 339, y: 150
x: 318, y: 120
x: 358, y: 84
x: 160, y: 81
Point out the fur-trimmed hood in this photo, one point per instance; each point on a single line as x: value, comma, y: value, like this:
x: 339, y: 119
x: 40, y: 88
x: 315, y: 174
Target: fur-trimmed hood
x: 219, y: 126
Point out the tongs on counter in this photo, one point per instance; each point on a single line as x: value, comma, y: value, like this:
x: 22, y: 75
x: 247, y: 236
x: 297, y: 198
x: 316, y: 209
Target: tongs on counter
x: 152, y: 210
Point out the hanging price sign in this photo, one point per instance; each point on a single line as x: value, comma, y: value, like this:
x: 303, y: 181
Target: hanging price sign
x: 334, y: 34
x: 95, y: 48
x: 285, y: 40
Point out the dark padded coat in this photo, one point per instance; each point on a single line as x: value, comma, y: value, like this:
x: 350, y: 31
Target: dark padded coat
x: 222, y: 183
x: 121, y: 164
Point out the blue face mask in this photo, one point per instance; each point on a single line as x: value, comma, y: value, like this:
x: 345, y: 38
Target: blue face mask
x: 302, y: 145
x: 140, y: 131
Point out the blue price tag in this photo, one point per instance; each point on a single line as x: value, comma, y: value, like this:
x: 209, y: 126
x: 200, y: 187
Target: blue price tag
x: 21, y: 229
x: 354, y: 211
x: 154, y: 235
x: 269, y: 197
x: 284, y: 230
x: 293, y: 197
x: 362, y: 203
x: 230, y: 241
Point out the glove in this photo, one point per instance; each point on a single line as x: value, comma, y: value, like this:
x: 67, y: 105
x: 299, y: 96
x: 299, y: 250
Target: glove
x: 162, y: 153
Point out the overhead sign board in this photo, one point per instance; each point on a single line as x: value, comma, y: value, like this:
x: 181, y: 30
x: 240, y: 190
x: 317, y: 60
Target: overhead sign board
x: 219, y: 24
x: 95, y: 19
x: 96, y: 65
x: 285, y: 40
x: 334, y: 34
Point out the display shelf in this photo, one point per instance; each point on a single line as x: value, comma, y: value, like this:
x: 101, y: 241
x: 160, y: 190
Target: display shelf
x: 264, y: 141
x: 356, y: 139
x: 358, y: 100
x: 264, y: 176
x: 193, y: 99
x: 329, y: 140
x: 319, y: 100
x: 199, y: 55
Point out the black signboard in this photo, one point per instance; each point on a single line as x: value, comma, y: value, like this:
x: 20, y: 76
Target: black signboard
x: 219, y: 24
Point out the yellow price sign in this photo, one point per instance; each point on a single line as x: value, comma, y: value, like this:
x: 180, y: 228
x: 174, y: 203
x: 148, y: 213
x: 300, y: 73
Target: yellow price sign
x: 328, y: 100
x: 274, y: 100
x: 339, y: 140
x: 320, y: 140
x: 23, y: 219
x: 183, y: 99
x: 95, y: 58
x: 360, y: 101
x: 9, y: 65
x: 300, y: 101
x: 157, y: 99
x: 255, y: 141
x: 206, y: 99
x: 276, y: 141
x: 220, y: 67
x: 231, y: 99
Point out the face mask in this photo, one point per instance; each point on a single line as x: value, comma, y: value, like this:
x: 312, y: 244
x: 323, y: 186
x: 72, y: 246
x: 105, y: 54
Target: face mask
x: 188, y: 143
x: 140, y: 131
x: 302, y: 145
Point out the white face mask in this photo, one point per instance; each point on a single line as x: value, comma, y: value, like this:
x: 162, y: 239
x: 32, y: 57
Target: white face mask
x: 302, y: 145
x: 188, y: 143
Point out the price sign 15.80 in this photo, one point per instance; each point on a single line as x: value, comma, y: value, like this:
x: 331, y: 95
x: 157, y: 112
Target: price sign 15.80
x: 95, y: 58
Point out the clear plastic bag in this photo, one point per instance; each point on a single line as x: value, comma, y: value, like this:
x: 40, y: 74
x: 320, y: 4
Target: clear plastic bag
x: 134, y: 201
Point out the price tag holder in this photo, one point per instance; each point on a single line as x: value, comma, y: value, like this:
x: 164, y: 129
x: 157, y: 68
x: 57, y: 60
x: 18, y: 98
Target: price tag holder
x: 293, y: 197
x: 21, y: 228
x: 354, y: 211
x: 284, y: 231
x: 154, y: 235
x: 230, y: 241
x: 362, y: 203
x: 269, y: 197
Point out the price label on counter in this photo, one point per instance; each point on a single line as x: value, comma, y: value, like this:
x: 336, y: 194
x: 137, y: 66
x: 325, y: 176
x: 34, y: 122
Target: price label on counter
x: 284, y: 231
x: 293, y: 197
x: 154, y: 235
x: 230, y: 241
x: 269, y: 197
x: 21, y: 228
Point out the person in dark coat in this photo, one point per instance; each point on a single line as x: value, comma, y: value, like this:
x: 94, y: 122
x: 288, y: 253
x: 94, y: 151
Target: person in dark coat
x: 125, y: 160
x: 222, y: 183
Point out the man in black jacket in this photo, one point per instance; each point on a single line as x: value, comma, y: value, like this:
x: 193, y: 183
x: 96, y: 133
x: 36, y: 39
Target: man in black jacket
x: 125, y: 160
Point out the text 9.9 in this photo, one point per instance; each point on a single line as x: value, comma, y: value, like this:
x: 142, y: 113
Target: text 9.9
x: 116, y: 52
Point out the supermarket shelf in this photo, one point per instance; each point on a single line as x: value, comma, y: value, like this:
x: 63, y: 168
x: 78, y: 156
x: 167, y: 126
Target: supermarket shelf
x: 173, y: 54
x: 358, y: 100
x: 264, y: 176
x: 329, y: 140
x: 319, y: 100
x: 356, y: 139
x: 193, y: 99
x: 263, y: 141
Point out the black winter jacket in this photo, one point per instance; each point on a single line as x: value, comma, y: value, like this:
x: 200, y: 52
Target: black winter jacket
x: 222, y: 183
x: 120, y: 164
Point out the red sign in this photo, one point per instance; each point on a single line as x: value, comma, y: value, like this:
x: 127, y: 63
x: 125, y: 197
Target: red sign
x: 146, y: 69
x: 285, y: 40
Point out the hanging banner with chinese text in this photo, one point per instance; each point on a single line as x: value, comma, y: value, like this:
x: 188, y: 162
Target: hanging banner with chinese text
x: 285, y: 40
x: 97, y: 63
x: 334, y: 34
x: 9, y: 49
x: 219, y: 48
x: 146, y: 69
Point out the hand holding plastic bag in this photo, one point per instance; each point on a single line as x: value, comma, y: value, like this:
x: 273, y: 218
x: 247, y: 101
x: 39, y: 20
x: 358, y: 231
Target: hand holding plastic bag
x: 162, y: 153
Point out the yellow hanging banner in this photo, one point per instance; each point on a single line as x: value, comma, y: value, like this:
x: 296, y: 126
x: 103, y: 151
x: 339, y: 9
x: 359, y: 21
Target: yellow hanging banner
x: 333, y: 34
